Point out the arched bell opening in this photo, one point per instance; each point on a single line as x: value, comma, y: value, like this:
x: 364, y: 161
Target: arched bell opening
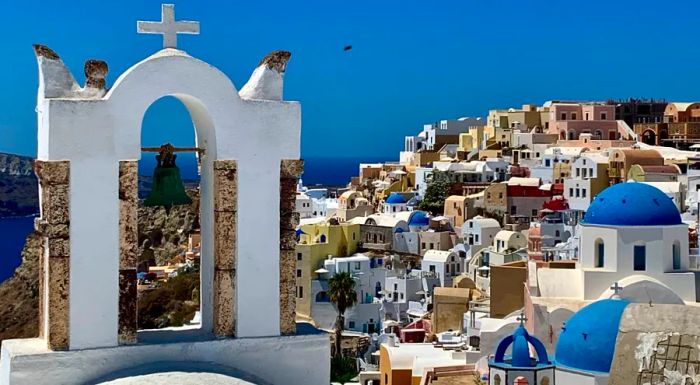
x: 174, y: 262
x: 168, y: 269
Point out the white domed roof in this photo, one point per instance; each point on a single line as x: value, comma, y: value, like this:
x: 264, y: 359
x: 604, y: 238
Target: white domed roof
x: 179, y: 378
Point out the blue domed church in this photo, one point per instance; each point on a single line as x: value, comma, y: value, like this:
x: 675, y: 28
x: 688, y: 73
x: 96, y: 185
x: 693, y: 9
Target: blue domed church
x: 505, y: 369
x: 584, y: 353
x: 631, y: 234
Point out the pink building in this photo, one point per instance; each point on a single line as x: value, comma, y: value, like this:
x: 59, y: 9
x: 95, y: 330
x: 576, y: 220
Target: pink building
x: 571, y: 119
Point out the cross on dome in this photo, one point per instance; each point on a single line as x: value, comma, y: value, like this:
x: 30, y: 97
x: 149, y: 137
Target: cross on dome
x: 521, y: 318
x: 168, y: 27
x: 617, y: 289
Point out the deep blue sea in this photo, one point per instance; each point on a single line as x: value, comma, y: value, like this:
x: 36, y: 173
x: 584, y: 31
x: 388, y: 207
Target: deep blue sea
x: 14, y: 232
x: 323, y: 171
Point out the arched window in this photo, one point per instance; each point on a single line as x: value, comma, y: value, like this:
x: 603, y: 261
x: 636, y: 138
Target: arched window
x: 676, y: 255
x: 323, y: 238
x: 497, y: 379
x: 599, y: 253
x: 556, y: 233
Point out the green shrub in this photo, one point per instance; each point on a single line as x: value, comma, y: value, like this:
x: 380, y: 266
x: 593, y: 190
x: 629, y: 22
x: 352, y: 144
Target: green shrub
x: 343, y: 369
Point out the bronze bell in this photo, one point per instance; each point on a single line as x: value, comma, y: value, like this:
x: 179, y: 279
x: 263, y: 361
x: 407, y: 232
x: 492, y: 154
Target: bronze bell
x: 167, y: 190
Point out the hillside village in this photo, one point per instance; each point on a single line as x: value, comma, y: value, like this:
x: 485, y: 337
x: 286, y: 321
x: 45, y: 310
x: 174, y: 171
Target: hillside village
x: 492, y: 230
x: 539, y: 245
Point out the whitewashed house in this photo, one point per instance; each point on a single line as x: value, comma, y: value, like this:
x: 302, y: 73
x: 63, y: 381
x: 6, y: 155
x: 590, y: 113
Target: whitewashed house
x: 477, y: 234
x: 369, y: 284
x: 304, y: 206
x: 586, y: 180
x: 444, y: 264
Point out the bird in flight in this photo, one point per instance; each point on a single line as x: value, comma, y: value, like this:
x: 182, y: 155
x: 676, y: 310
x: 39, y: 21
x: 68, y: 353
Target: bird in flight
x: 347, y: 48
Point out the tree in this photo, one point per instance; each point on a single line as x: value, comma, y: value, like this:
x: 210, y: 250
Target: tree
x: 436, y: 192
x: 341, y: 289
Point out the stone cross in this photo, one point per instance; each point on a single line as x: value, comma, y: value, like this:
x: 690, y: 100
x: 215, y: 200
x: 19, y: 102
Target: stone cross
x: 617, y: 289
x: 521, y: 318
x: 168, y: 27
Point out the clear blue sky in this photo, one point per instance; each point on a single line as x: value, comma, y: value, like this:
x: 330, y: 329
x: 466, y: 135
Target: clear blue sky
x: 413, y: 62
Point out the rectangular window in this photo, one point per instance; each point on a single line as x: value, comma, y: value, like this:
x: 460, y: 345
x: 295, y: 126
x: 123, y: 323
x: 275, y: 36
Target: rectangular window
x: 298, y: 256
x: 603, y: 116
x: 546, y: 163
x: 578, y: 193
x: 640, y: 257
x: 298, y: 273
x: 300, y: 292
x: 357, y: 265
x: 563, y: 116
x: 476, y: 237
x: 583, y: 192
x: 571, y: 191
x: 676, y: 256
x: 600, y: 254
x: 422, y: 245
x: 432, y: 246
x: 534, y: 212
x: 578, y: 172
x: 573, y: 116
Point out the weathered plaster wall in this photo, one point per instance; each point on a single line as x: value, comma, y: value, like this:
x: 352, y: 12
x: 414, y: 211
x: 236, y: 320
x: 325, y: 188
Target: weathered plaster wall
x: 657, y: 344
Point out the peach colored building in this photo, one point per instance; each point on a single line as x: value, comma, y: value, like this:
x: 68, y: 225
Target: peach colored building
x: 587, y: 141
x: 678, y: 112
x: 681, y: 126
x: 571, y: 119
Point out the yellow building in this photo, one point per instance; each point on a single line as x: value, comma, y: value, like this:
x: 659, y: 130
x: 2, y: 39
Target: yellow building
x: 316, y: 242
x: 471, y: 140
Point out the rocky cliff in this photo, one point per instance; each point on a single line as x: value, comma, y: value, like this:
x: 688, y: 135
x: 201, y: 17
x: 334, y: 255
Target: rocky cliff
x: 19, y: 296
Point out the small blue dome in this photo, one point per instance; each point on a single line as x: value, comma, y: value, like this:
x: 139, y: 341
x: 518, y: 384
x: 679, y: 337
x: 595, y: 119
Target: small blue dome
x: 587, y: 340
x: 395, y: 198
x: 419, y: 218
x: 632, y: 204
x: 520, y: 353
